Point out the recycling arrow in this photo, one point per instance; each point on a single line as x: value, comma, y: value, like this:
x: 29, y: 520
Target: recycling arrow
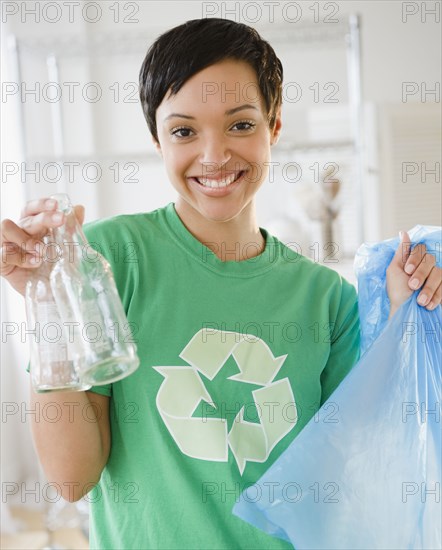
x: 251, y: 441
x: 207, y: 438
x: 196, y: 438
x: 208, y: 351
x: 256, y: 362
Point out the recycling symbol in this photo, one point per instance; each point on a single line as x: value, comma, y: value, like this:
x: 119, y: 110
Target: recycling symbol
x: 182, y: 390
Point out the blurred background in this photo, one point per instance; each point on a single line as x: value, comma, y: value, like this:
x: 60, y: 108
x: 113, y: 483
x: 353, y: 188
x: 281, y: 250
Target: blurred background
x: 358, y: 160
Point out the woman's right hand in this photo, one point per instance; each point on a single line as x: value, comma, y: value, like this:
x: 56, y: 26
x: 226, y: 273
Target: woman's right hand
x: 21, y: 244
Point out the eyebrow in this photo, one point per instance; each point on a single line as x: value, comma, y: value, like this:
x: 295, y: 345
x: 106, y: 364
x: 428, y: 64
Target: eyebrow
x: 227, y: 113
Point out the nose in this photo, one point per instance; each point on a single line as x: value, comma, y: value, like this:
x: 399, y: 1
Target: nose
x: 215, y: 153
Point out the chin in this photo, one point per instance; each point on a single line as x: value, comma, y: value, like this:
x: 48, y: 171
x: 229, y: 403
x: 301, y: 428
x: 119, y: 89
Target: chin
x: 219, y: 214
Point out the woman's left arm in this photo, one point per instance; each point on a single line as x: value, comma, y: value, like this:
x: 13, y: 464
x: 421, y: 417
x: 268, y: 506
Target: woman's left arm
x: 408, y: 272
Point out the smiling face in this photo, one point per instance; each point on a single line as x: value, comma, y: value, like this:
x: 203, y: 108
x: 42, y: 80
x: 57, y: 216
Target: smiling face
x: 215, y: 140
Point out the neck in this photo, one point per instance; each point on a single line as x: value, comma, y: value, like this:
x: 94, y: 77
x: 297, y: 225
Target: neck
x: 236, y: 239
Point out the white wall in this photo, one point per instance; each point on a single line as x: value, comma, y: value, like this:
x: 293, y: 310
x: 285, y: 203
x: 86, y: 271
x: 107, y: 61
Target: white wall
x: 393, y: 52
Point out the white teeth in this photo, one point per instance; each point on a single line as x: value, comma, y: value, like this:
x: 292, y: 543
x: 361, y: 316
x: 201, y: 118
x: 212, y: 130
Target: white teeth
x: 217, y: 183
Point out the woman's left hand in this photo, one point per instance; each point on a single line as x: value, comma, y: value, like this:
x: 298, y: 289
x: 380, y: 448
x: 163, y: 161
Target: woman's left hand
x: 408, y: 272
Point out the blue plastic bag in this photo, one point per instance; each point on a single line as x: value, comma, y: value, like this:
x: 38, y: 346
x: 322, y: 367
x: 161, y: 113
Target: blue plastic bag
x: 370, y: 265
x: 365, y: 473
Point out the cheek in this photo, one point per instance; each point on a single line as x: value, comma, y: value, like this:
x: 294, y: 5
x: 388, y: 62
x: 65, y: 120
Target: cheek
x: 258, y: 145
x: 171, y: 157
x: 259, y: 155
x: 177, y: 162
x: 258, y: 151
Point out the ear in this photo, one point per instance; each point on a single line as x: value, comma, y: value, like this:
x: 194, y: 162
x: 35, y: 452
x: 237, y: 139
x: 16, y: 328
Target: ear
x: 157, y: 146
x: 276, y: 131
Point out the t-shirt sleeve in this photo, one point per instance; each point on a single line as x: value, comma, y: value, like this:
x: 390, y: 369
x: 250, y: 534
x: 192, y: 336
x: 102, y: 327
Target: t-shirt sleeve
x: 345, y: 342
x: 102, y: 390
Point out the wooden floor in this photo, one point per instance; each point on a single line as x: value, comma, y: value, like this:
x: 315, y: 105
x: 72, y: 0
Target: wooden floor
x: 33, y: 535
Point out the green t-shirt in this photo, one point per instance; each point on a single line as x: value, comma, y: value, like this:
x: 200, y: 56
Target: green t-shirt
x: 235, y: 358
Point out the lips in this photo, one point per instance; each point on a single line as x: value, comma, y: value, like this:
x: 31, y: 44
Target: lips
x: 218, y: 182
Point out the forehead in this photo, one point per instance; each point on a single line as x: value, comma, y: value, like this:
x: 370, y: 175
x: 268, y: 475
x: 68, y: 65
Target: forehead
x: 224, y: 84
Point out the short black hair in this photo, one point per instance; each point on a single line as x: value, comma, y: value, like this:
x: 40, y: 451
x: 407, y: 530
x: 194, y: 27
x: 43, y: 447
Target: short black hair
x: 183, y: 51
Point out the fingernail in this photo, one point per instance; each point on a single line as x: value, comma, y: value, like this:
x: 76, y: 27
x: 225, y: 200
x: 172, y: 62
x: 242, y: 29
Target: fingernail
x: 50, y: 203
x: 431, y: 305
x: 39, y: 248
x: 401, y: 234
x: 422, y: 300
x: 57, y: 217
x: 35, y: 260
x: 414, y: 283
x: 409, y: 269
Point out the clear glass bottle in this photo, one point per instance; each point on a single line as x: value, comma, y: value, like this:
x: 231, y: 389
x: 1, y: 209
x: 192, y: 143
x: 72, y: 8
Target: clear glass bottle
x: 89, y: 304
x: 51, y: 367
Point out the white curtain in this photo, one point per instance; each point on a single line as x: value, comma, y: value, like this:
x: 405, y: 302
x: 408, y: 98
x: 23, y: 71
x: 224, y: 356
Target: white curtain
x: 18, y: 458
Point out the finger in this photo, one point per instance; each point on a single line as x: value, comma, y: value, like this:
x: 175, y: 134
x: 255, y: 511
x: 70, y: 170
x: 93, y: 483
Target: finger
x: 422, y: 271
x: 11, y: 233
x: 436, y: 299
x: 38, y: 205
x: 430, y: 287
x: 415, y: 259
x: 11, y: 256
x: 38, y: 224
x: 403, y: 250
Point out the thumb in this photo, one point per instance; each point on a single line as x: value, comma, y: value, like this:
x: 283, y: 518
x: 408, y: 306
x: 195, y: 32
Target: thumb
x: 403, y: 250
x: 79, y: 213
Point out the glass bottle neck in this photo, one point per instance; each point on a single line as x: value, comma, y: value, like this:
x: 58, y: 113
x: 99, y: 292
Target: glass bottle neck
x: 70, y: 232
x: 69, y: 236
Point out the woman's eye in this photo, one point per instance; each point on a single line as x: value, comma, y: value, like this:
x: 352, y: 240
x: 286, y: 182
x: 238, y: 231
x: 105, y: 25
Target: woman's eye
x: 244, y: 125
x: 181, y: 132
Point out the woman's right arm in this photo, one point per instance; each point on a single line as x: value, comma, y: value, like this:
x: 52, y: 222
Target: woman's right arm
x: 71, y: 433
x: 75, y: 447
